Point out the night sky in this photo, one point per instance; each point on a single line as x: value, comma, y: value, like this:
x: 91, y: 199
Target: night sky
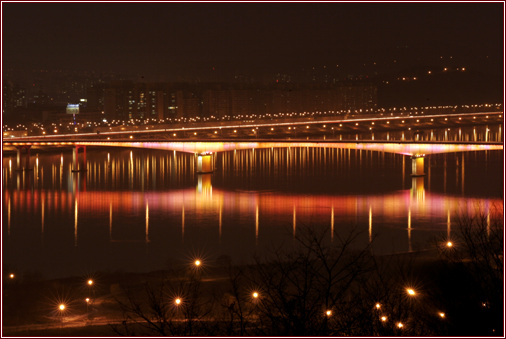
x: 170, y: 40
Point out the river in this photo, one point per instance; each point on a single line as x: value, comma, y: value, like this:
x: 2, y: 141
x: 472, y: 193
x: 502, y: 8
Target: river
x: 141, y: 210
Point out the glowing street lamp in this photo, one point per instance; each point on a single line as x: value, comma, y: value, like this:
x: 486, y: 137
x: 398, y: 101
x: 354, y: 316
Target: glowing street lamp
x: 383, y: 318
x: 400, y: 325
x: 411, y: 291
x: 11, y: 275
x: 90, y: 282
x: 255, y: 295
x: 328, y: 313
x: 177, y: 301
x: 197, y: 263
x: 61, y: 309
x: 442, y: 315
x: 378, y: 306
x: 449, y: 244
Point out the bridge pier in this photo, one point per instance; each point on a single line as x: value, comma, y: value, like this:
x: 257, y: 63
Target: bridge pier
x: 417, y: 162
x: 205, y: 163
x: 75, y: 159
x: 27, y: 166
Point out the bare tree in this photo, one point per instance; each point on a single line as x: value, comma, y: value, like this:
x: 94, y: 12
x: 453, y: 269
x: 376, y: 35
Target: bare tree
x: 473, y: 273
x: 307, y: 291
x: 153, y: 309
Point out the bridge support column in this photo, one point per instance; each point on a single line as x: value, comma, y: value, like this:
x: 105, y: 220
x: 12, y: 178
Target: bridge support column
x: 417, y: 161
x: 75, y: 159
x: 205, y: 163
x: 27, y: 166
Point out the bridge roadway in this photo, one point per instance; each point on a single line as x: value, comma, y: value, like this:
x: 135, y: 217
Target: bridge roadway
x: 281, y: 128
x: 410, y: 148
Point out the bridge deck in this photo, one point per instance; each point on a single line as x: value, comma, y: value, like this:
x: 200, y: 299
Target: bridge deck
x: 213, y: 146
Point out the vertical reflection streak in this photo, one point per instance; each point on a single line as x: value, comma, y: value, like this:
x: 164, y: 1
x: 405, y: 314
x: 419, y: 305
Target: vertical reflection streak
x: 61, y: 171
x: 75, y: 221
x: 370, y: 223
x: 147, y: 222
x: 444, y: 175
x: 256, y: 224
x: 409, y: 230
x: 294, y: 220
x: 403, y: 169
x: 36, y: 176
x: 332, y: 224
x: 488, y: 222
x: 220, y: 211
x: 462, y: 173
x: 448, y: 224
x: 110, y: 220
x: 182, y: 224
x: 42, y: 202
x: 9, y: 217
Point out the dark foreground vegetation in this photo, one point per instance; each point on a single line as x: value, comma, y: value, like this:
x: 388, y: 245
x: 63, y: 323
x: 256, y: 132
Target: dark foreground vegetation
x: 322, y: 288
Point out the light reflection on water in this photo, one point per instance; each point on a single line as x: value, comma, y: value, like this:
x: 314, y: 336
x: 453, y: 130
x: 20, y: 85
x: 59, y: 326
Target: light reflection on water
x: 137, y: 210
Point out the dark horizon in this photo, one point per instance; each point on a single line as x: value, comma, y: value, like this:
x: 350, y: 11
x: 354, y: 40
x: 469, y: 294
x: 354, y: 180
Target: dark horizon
x: 209, y: 41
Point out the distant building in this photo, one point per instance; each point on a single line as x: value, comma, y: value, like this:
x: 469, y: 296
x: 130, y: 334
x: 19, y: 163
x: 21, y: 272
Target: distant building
x: 127, y: 100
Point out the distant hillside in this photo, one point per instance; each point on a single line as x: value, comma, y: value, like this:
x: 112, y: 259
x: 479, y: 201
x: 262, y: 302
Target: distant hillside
x: 452, y: 88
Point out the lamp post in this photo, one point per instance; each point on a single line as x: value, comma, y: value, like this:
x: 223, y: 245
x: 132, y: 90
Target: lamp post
x: 61, y: 309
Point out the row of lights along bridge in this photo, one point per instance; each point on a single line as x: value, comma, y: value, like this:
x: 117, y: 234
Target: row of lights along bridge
x: 91, y: 126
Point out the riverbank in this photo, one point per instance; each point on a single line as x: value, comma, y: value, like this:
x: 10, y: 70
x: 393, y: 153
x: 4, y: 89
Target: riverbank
x: 31, y: 308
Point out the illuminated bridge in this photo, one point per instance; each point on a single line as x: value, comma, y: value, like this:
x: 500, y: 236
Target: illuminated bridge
x: 204, y: 149
x: 415, y: 136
